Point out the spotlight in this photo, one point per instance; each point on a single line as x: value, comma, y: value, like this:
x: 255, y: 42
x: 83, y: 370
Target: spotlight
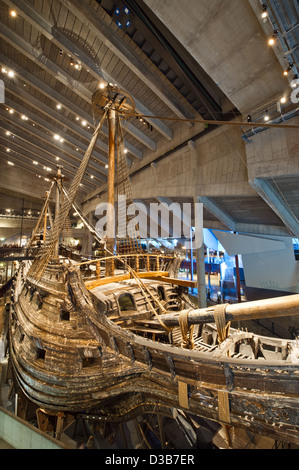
x: 264, y: 13
x: 11, y: 74
x: 266, y: 118
x: 272, y: 40
x: 286, y: 72
x: 13, y: 13
x: 283, y: 100
x: 58, y: 106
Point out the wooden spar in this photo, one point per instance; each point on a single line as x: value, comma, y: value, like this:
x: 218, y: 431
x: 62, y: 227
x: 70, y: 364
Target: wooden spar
x: 269, y: 308
x: 111, y: 183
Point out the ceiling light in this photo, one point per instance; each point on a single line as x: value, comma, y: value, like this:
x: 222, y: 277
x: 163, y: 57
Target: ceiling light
x: 61, y: 140
x: 11, y: 74
x: 283, y: 100
x: 35, y: 162
x: 8, y: 210
x: 106, y: 166
x: 266, y: 118
x: 102, y: 85
x: 3, y: 70
x: 264, y: 13
x: 57, y: 159
x: 8, y: 150
x: 92, y: 177
x: 56, y: 136
x: 272, y: 40
x: 25, y: 118
x: 77, y: 118
x: 11, y: 111
x: 7, y: 133
x: 58, y: 106
x: 126, y: 151
x: 11, y: 163
x: 84, y: 123
x: 13, y: 13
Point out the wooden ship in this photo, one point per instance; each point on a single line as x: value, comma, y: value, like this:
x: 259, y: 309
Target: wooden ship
x: 129, y: 338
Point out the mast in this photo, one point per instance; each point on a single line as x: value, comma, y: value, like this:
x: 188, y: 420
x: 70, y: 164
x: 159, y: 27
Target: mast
x: 58, y: 179
x: 111, y: 196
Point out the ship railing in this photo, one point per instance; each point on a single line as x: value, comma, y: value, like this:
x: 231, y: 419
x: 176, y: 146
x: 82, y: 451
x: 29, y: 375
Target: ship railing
x: 140, y: 262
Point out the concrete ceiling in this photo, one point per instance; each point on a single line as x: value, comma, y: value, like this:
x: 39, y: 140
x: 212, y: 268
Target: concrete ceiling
x: 179, y: 59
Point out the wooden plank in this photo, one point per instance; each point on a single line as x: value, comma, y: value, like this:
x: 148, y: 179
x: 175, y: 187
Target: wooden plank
x: 178, y: 282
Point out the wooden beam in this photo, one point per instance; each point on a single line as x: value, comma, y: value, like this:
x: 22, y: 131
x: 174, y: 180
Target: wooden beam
x: 157, y: 275
x: 178, y: 282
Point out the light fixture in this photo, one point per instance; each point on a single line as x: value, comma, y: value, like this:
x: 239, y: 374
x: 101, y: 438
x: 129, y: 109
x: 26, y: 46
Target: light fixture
x: 8, y: 150
x: 11, y: 163
x: 58, y: 106
x: 264, y: 13
x: 84, y: 123
x: 3, y: 70
x: 102, y: 86
x: 57, y: 159
x: 126, y: 151
x: 56, y: 136
x: 7, y: 133
x: 249, y: 118
x: 287, y: 71
x: 13, y: 13
x: 266, y: 118
x: 294, y: 83
x: 283, y: 100
x: 106, y: 166
x: 77, y: 118
x: 11, y: 73
x: 92, y: 177
x: 272, y: 40
x: 61, y: 140
x: 25, y: 118
x: 11, y: 111
x: 8, y: 210
x: 35, y: 162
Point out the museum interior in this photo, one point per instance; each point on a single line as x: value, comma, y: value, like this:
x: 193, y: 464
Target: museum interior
x: 149, y: 225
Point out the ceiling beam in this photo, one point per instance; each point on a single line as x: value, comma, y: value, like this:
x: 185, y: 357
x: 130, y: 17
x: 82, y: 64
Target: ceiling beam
x: 47, y: 144
x: 15, y: 104
x: 219, y: 213
x: 37, y: 56
x: 120, y: 48
x: 267, y: 191
x: 23, y: 149
x: 50, y: 31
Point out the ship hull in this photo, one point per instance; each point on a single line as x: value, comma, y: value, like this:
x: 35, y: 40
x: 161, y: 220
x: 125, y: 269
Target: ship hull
x: 69, y: 356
